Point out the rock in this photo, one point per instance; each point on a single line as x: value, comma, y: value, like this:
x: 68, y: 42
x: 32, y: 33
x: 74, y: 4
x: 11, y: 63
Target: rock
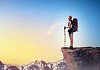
x: 1, y: 66
x: 85, y: 58
x: 12, y: 68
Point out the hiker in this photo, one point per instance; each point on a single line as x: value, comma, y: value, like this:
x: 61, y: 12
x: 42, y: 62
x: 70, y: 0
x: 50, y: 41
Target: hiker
x: 72, y: 27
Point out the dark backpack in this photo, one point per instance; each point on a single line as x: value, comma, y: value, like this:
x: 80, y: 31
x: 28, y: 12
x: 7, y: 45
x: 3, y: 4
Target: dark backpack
x: 74, y: 25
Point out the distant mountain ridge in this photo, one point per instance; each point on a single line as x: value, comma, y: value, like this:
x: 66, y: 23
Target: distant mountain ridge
x: 37, y: 65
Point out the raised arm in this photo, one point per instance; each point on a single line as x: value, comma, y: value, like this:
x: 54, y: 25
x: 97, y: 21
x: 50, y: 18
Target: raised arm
x: 69, y: 26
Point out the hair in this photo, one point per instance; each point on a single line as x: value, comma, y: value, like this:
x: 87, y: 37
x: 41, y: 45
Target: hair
x: 70, y: 17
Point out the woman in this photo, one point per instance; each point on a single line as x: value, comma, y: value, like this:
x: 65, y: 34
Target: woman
x: 70, y: 32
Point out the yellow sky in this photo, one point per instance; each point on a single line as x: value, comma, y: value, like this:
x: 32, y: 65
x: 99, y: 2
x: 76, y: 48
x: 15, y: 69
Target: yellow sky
x: 24, y: 46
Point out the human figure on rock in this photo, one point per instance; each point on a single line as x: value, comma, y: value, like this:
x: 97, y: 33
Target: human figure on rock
x: 72, y: 27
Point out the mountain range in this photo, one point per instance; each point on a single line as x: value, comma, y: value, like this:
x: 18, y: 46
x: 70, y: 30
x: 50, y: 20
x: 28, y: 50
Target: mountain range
x: 37, y: 65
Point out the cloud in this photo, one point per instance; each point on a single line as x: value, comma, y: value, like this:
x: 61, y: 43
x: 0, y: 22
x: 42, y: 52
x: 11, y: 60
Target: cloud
x: 54, y: 26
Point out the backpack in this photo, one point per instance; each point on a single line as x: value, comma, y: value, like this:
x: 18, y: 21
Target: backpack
x: 74, y: 25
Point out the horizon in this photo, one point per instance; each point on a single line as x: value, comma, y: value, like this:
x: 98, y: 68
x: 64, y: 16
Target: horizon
x: 33, y: 30
x: 45, y: 61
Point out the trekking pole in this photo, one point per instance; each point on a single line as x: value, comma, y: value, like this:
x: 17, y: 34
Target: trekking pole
x: 64, y: 36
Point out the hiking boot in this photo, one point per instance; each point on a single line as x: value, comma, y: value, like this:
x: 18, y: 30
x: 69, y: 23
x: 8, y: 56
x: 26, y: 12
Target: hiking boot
x: 71, y: 47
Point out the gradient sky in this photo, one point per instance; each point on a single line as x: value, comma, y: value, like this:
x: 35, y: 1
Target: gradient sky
x: 33, y: 29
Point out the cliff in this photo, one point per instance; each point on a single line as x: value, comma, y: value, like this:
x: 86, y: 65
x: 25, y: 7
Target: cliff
x: 86, y: 58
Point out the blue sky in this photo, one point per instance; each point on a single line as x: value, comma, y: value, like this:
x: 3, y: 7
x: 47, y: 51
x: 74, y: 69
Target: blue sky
x: 45, y: 13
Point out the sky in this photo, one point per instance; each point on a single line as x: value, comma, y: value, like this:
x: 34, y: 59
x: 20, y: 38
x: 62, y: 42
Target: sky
x: 33, y: 29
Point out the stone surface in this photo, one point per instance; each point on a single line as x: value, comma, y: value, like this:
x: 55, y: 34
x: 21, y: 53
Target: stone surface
x: 85, y: 58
